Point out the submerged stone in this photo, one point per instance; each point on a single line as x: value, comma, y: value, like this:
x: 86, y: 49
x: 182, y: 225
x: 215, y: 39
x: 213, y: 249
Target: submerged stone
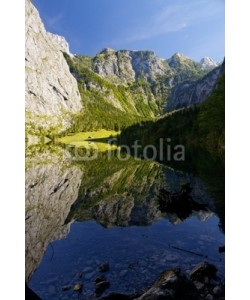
x: 100, y: 287
x: 78, y: 287
x: 202, y: 271
x: 104, y: 267
x: 66, y: 288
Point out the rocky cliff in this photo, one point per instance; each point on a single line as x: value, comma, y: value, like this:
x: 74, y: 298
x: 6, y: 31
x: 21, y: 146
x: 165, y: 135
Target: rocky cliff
x: 61, y: 43
x: 188, y: 93
x: 51, y: 95
x: 126, y: 66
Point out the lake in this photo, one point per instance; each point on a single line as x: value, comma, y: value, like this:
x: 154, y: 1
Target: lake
x: 81, y: 214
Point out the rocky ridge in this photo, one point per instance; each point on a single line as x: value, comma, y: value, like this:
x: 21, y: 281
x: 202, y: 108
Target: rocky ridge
x: 126, y: 66
x: 168, y: 83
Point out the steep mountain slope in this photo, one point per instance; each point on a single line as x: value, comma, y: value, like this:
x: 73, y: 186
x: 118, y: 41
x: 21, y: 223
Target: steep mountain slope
x: 52, y: 94
x: 202, y: 125
x: 188, y: 93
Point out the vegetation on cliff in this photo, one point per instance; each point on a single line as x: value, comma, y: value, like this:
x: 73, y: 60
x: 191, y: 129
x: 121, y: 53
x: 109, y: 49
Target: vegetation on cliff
x: 202, y: 125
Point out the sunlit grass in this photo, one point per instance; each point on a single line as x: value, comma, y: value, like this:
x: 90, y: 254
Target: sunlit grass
x: 96, y: 140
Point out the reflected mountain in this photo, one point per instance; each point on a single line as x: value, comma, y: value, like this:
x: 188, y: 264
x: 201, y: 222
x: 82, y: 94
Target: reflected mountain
x: 125, y: 196
x: 130, y: 191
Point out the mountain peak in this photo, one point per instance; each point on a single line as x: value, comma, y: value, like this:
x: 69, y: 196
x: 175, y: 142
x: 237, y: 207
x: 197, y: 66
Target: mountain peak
x: 208, y: 63
x: 107, y: 50
x: 179, y: 56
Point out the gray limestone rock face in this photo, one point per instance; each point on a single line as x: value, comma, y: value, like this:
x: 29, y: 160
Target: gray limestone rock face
x: 51, y: 94
x: 115, y: 66
x: 61, y: 43
x: 148, y: 65
x: 126, y: 66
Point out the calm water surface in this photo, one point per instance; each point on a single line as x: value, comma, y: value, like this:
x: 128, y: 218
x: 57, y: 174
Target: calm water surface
x: 79, y: 215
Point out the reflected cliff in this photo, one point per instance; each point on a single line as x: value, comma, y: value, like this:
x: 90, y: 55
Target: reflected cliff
x: 51, y: 187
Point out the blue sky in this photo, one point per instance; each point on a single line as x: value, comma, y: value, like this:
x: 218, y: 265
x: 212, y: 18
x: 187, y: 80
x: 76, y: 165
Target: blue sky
x: 192, y: 27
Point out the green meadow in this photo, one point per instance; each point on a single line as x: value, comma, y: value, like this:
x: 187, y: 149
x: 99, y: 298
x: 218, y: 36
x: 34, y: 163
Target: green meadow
x: 100, y: 140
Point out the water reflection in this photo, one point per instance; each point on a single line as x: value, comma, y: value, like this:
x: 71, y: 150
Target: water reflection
x: 122, y: 196
x: 51, y: 187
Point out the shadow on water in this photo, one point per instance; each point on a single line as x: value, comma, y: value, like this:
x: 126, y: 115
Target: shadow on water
x: 81, y: 213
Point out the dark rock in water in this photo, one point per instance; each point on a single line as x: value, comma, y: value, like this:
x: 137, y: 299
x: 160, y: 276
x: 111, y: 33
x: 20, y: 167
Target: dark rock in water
x: 174, y: 285
x: 66, y: 288
x: 199, y: 285
x: 100, y: 279
x: 171, y: 285
x: 219, y: 291
x: 100, y: 287
x: 202, y: 271
x: 101, y: 284
x: 79, y: 275
x: 116, y: 296
x: 104, y: 267
x: 30, y: 295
